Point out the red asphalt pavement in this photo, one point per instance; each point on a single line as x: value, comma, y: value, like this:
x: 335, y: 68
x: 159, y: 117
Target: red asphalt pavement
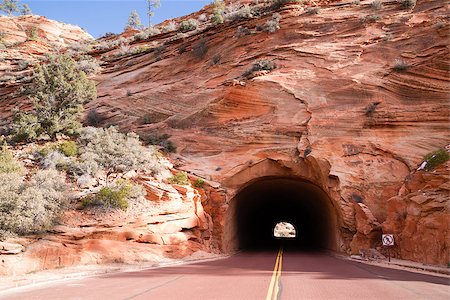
x: 247, y: 276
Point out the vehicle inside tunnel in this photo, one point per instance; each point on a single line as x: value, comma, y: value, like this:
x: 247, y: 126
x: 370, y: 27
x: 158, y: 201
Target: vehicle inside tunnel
x: 265, y: 203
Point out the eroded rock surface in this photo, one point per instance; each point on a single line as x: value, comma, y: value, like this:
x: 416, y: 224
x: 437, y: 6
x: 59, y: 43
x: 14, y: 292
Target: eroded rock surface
x: 337, y: 111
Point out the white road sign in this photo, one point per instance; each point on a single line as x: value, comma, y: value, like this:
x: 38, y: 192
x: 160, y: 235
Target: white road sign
x: 388, y: 239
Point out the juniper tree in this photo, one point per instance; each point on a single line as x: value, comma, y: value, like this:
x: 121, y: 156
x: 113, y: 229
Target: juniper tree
x: 58, y: 91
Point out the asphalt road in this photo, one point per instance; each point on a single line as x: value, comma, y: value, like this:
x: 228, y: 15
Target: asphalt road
x: 262, y: 275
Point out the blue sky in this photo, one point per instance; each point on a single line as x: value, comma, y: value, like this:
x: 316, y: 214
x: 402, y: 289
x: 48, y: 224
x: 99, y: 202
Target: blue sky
x: 100, y: 16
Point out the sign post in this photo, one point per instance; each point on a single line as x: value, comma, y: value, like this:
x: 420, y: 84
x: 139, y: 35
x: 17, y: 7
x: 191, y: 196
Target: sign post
x: 388, y: 241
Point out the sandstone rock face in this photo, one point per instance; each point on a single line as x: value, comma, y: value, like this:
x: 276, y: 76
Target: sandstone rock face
x: 419, y: 217
x: 357, y: 99
x: 25, y: 40
x: 336, y: 103
x: 175, y: 226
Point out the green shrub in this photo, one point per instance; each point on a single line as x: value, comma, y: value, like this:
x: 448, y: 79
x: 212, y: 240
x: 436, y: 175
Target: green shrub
x: 261, y: 65
x: 28, y: 207
x: 58, y: 91
x: 161, y: 140
x: 436, y: 158
x: 32, y: 33
x: 180, y: 178
x: 407, y: 3
x: 69, y: 148
x: 188, y: 25
x: 198, y: 183
x: 116, y: 196
x: 7, y: 162
x: 218, y: 9
x: 217, y: 18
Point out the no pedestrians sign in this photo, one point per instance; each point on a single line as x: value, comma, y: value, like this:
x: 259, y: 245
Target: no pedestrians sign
x: 388, y: 239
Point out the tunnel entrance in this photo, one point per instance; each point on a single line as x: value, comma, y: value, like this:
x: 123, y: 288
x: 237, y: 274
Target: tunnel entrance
x: 263, y: 203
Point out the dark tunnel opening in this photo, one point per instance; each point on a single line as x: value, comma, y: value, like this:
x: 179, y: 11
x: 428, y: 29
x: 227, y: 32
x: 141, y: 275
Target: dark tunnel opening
x: 266, y: 202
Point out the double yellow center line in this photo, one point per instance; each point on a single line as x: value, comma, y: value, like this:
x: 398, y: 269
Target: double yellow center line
x: 274, y: 287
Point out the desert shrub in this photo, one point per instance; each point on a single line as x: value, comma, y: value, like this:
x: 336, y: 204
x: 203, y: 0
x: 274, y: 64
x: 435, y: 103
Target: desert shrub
x: 32, y: 33
x: 436, y: 158
x: 25, y: 127
x: 116, y: 196
x: 180, y: 178
x: 261, y: 65
x: 376, y: 4
x: 176, y: 37
x: 216, y: 59
x: 356, y: 2
x: 200, y: 48
x: 171, y: 26
x: 273, y: 24
x: 22, y: 64
x: 407, y: 3
x: 161, y: 140
x: 373, y: 18
x: 7, y: 162
x: 114, y: 151
x: 80, y: 47
x: 88, y: 65
x: 233, y: 12
x: 94, y: 119
x: 147, y: 119
x: 312, y: 10
x: 400, y: 65
x: 55, y: 160
x: 218, y: 10
x: 146, y: 33
x: 242, y: 31
x: 217, y: 18
x: 107, y: 35
x: 198, y: 183
x: 202, y: 18
x: 28, y: 207
x: 7, y: 78
x: 188, y: 25
x: 58, y: 91
x: 182, y: 49
x: 68, y: 148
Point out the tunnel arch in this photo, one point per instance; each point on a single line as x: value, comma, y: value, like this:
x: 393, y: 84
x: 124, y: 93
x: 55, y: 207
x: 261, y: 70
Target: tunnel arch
x: 263, y: 202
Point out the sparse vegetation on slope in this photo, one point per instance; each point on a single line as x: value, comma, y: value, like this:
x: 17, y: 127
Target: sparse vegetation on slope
x: 30, y: 206
x: 436, y: 158
x: 116, y: 196
x: 58, y: 91
x: 113, y: 151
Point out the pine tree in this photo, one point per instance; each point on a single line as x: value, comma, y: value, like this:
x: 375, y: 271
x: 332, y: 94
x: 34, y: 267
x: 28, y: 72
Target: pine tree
x: 134, y: 21
x: 25, y: 10
x: 9, y: 6
x: 151, y: 6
